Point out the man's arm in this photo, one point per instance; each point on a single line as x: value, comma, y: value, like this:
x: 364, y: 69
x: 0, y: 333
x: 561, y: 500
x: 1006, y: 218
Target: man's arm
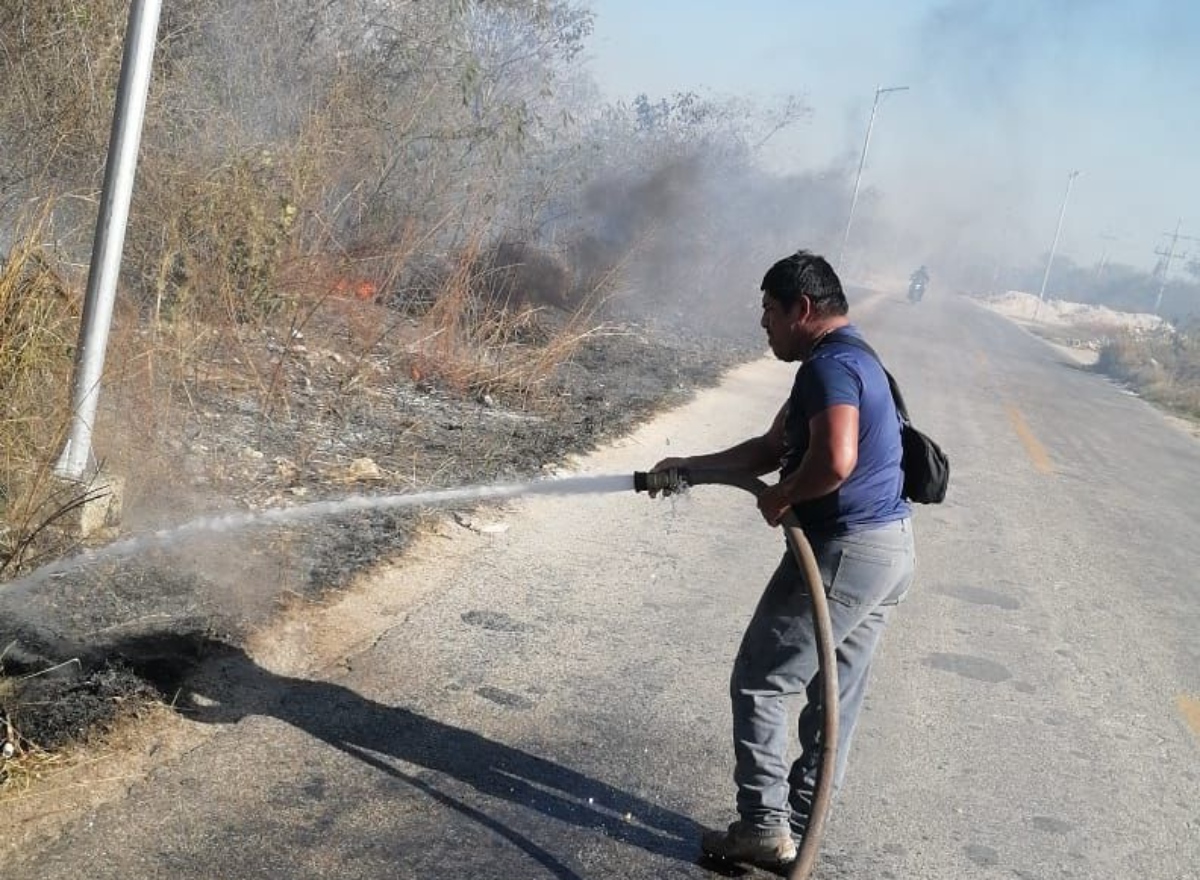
x: 831, y: 457
x: 756, y: 456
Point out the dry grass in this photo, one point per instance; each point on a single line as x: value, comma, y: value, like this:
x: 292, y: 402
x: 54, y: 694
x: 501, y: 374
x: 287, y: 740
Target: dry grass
x: 230, y: 315
x: 39, y: 313
x: 22, y: 764
x: 478, y: 343
x: 1163, y: 367
x: 477, y: 337
x: 251, y: 229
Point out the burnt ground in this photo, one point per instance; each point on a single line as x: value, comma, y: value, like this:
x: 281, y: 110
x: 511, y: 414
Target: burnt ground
x: 80, y: 648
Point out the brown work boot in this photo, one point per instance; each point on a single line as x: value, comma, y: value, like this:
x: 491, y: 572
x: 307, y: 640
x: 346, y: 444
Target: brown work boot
x: 769, y: 848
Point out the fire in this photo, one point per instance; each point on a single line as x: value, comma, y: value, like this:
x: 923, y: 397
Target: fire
x: 359, y: 288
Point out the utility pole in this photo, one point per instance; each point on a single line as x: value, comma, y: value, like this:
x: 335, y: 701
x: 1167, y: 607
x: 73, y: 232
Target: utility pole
x: 1062, y: 213
x: 1102, y: 263
x: 862, y: 161
x: 1168, y: 257
x: 132, y: 87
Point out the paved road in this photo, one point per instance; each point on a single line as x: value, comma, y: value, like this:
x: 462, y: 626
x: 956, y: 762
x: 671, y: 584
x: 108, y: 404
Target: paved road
x: 549, y: 701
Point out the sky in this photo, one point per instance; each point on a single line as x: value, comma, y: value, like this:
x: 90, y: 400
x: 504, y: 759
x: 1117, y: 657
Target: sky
x: 1004, y: 101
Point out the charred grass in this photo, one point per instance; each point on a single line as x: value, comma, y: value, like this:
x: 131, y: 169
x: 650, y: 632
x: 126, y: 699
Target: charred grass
x: 346, y: 385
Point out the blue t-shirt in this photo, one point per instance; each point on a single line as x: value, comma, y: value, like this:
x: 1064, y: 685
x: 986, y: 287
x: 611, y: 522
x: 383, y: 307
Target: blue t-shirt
x: 843, y: 374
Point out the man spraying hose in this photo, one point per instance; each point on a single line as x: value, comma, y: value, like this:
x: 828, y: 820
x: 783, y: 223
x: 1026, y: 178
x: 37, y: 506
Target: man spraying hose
x: 836, y: 443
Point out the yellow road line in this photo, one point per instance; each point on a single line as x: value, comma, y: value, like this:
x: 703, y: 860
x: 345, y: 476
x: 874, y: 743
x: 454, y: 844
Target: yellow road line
x: 1033, y: 448
x: 1189, y: 707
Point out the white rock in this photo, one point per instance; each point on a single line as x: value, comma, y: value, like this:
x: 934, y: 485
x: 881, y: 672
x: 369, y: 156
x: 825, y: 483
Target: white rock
x: 363, y: 470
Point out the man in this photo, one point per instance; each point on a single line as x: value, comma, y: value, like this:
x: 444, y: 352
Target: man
x: 836, y: 443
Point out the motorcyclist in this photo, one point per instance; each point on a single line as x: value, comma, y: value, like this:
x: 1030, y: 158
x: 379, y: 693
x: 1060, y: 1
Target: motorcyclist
x: 917, y: 283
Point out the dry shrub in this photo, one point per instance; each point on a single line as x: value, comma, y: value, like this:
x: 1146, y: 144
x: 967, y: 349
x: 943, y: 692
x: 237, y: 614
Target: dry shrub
x: 224, y: 235
x: 487, y: 334
x: 298, y: 183
x: 39, y: 312
x: 37, y: 322
x: 59, y: 62
x: 1163, y: 367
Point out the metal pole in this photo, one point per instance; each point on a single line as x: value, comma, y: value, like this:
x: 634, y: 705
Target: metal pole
x: 1166, y: 266
x: 128, y: 114
x: 862, y: 161
x: 1062, y: 212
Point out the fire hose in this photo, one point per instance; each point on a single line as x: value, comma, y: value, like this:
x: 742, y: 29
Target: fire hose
x: 675, y: 479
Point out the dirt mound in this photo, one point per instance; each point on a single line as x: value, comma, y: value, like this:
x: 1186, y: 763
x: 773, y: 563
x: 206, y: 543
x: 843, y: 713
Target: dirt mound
x: 1023, y: 306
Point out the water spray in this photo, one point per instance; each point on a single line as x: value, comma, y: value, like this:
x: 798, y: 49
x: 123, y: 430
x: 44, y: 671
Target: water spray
x: 232, y: 522
x: 672, y: 480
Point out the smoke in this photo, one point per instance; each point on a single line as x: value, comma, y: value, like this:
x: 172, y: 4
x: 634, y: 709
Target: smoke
x: 966, y: 132
x: 1008, y: 98
x: 701, y: 231
x: 681, y: 204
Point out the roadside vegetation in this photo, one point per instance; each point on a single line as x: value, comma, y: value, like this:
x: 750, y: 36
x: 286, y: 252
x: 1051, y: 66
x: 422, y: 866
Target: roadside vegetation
x: 1163, y: 367
x: 1161, y: 363
x: 433, y: 187
x: 353, y: 223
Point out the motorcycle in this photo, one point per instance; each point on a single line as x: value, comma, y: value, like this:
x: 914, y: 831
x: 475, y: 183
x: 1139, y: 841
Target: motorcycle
x: 916, y: 290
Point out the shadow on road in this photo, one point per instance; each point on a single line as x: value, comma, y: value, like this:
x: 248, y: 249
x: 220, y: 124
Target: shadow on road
x: 400, y: 743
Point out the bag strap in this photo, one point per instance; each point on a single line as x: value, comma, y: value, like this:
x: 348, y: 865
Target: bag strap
x: 863, y: 345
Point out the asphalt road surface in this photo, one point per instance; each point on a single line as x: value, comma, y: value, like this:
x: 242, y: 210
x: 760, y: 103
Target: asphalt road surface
x: 549, y: 699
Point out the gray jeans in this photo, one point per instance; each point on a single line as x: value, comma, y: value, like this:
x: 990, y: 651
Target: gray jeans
x: 866, y: 575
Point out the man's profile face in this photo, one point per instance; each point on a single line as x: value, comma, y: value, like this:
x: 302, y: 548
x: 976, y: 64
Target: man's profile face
x: 782, y: 326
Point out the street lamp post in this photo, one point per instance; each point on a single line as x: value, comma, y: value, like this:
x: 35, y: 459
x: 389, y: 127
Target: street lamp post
x: 862, y: 161
x: 115, y: 196
x: 1062, y: 212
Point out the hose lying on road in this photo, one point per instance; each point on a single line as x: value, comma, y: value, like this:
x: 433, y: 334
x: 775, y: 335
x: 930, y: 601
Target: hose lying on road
x: 674, y: 479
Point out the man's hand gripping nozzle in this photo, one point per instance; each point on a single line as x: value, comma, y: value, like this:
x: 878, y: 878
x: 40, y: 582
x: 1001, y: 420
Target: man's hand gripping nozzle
x: 666, y: 481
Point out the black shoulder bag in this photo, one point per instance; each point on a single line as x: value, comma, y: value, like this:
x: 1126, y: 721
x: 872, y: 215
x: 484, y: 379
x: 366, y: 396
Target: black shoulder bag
x: 926, y: 467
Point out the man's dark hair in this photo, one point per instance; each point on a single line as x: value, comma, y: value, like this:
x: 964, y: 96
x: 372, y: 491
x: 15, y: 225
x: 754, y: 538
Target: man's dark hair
x: 806, y: 274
